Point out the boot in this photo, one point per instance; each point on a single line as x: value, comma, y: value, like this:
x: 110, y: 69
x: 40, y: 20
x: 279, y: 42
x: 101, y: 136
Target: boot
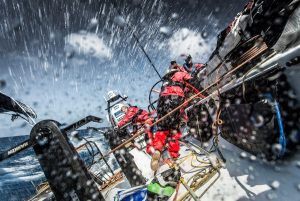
x: 155, y: 160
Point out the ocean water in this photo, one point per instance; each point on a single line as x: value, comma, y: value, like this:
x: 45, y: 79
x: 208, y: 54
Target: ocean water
x: 20, y: 174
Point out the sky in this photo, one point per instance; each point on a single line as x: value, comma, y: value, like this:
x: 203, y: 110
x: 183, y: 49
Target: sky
x: 62, y: 57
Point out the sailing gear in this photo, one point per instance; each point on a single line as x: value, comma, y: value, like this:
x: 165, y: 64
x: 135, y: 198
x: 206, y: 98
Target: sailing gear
x: 174, y: 83
x: 134, y: 115
x: 168, y: 176
x: 165, y: 105
x: 138, y: 193
x: 156, y: 188
x: 163, y: 185
x: 172, y: 90
x: 172, y: 96
x: 139, y: 116
x: 155, y: 160
x: 160, y: 140
x: 169, y: 71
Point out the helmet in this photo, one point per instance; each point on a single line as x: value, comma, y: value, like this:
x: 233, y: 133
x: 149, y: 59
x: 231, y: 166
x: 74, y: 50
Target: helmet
x: 174, y: 66
x: 173, y: 62
x: 188, y: 58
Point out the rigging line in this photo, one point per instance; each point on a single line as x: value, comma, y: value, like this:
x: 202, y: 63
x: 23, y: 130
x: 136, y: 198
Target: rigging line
x: 144, y: 51
x: 137, y: 40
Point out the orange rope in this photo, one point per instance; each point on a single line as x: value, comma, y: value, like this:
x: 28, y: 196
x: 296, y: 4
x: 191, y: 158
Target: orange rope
x: 195, y: 90
x: 177, y: 190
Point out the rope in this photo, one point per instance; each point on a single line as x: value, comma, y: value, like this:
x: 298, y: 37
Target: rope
x: 195, y: 90
x: 217, y: 123
x: 176, y: 193
x: 202, y: 175
x: 282, y: 138
x: 210, y: 185
x: 247, y: 73
x: 190, y: 191
x: 204, y: 178
x: 184, y: 158
x: 201, y: 161
x: 199, y: 166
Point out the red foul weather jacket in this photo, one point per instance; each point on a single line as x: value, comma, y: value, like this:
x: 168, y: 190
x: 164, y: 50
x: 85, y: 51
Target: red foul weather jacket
x: 134, y: 115
x: 174, y: 88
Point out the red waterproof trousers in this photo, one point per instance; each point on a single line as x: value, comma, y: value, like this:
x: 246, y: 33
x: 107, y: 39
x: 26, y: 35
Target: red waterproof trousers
x: 160, y: 139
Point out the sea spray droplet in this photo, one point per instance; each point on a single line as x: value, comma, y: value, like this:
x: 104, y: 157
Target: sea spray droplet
x: 243, y: 155
x: 93, y: 22
x: 276, y: 148
x: 298, y: 187
x: 165, y: 30
x: 298, y: 164
x: 252, y: 158
x: 251, y: 177
x: 271, y: 195
x: 174, y: 16
x: 204, y: 34
x: 120, y: 21
x: 275, y: 184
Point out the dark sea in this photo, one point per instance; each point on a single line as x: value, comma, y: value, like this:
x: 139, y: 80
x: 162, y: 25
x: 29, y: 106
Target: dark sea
x: 20, y: 174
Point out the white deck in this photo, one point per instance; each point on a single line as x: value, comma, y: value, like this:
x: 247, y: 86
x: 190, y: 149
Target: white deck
x: 242, y: 178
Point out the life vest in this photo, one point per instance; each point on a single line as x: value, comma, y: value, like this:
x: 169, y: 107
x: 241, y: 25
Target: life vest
x: 174, y: 83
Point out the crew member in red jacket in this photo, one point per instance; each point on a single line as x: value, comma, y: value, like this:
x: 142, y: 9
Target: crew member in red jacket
x: 168, y: 130
x: 137, y: 117
x: 134, y: 115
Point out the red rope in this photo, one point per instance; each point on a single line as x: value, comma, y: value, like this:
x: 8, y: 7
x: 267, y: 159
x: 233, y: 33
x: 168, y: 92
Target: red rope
x: 195, y: 90
x: 177, y: 189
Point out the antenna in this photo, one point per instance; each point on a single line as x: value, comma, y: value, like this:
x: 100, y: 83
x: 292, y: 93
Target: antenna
x: 137, y: 40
